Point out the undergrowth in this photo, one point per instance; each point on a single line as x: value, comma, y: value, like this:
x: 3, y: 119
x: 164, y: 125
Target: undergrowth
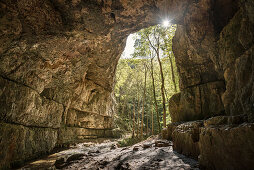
x: 130, y: 141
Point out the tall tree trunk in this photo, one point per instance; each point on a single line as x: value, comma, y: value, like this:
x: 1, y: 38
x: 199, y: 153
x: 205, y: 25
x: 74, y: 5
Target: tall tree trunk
x: 138, y: 117
x: 147, y: 124
x: 154, y: 97
x: 162, y: 89
x: 152, y: 123
x: 129, y: 113
x: 123, y: 108
x: 172, y: 72
x: 133, y: 121
x: 143, y: 106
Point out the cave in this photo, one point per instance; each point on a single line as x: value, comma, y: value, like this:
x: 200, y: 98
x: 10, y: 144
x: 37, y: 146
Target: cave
x: 58, y: 61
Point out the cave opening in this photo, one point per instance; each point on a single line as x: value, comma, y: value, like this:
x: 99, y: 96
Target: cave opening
x: 146, y: 66
x: 57, y: 71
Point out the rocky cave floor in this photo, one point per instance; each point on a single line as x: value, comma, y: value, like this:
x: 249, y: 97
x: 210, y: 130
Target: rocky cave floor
x: 152, y: 153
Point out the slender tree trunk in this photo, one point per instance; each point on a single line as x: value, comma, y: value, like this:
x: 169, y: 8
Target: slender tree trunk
x: 138, y: 117
x: 172, y: 72
x: 147, y: 124
x: 152, y: 123
x: 123, y: 109
x: 129, y: 113
x: 133, y: 121
x: 154, y: 97
x: 143, y: 106
x: 162, y: 89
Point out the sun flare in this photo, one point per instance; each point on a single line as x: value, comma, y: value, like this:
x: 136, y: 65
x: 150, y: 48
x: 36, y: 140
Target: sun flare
x: 166, y: 23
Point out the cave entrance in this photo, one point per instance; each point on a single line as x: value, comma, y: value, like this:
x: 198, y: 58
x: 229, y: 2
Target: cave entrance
x: 146, y: 78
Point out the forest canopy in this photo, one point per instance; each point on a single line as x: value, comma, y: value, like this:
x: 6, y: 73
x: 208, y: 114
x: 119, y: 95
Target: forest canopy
x: 145, y: 81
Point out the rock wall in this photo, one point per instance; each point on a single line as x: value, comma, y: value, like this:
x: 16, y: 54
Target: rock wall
x: 211, y: 47
x: 221, y: 142
x: 58, y: 61
x: 236, y: 60
x: 222, y: 44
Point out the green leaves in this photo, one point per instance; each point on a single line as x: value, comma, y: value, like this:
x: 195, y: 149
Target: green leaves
x: 130, y: 73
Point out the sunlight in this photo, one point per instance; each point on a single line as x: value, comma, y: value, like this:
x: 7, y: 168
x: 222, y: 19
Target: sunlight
x: 166, y: 23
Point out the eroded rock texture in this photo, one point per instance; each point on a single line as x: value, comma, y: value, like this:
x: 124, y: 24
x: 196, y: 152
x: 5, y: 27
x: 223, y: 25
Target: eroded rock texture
x: 58, y: 60
x: 212, y: 49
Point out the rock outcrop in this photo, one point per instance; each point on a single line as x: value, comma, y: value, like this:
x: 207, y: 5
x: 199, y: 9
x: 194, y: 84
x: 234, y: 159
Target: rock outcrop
x: 58, y: 61
x: 222, y: 142
x: 227, y: 146
x: 197, y: 102
x: 215, y: 50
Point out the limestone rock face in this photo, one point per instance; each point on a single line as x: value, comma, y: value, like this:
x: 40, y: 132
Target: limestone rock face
x: 19, y: 143
x: 236, y: 59
x: 185, y: 138
x: 221, y: 142
x: 58, y: 61
x: 227, y: 146
x: 23, y: 105
x: 198, y: 102
x: 92, y: 120
x: 215, y: 50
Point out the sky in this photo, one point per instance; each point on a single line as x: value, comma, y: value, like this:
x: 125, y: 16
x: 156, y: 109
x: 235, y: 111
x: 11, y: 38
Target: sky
x: 129, y: 49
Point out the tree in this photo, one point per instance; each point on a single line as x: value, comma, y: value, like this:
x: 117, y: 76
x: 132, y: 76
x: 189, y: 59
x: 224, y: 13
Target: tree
x: 154, y: 95
x: 139, y: 90
x: 156, y: 32
x: 133, y: 121
x: 143, y: 103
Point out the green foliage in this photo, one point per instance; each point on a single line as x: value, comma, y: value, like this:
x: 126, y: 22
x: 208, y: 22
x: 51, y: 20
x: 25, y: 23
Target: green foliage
x: 129, y: 141
x: 129, y: 84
